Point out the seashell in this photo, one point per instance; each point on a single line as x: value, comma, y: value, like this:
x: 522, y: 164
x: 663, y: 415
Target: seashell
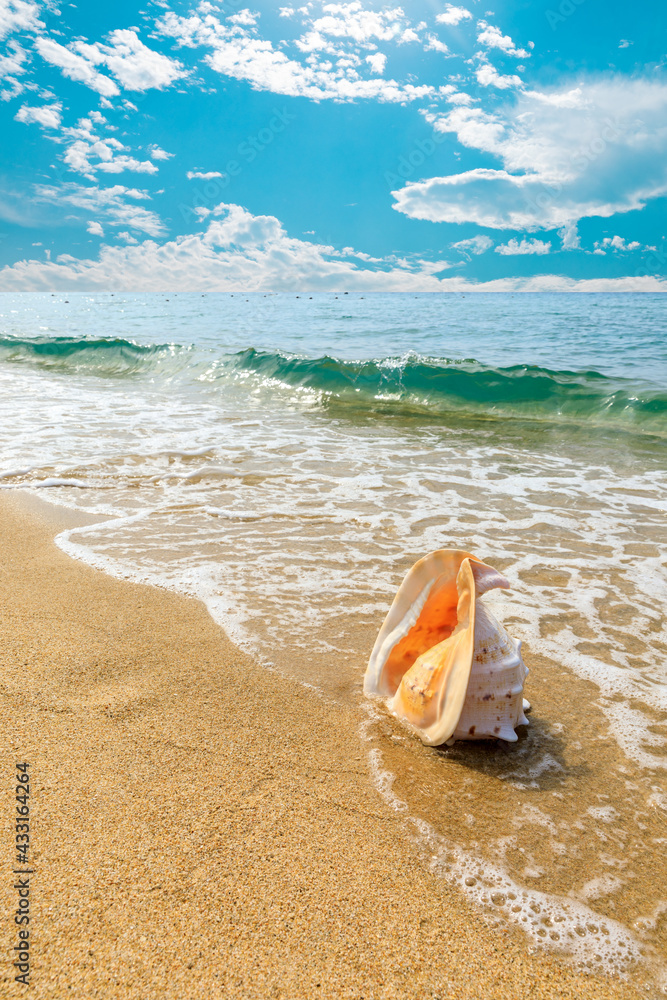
x: 441, y: 660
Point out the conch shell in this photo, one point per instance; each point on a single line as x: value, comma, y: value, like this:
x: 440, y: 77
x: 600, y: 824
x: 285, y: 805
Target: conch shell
x: 442, y: 661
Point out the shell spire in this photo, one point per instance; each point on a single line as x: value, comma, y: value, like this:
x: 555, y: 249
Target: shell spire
x: 442, y: 661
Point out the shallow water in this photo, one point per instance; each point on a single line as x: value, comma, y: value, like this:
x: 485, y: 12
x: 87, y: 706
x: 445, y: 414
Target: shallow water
x: 288, y: 459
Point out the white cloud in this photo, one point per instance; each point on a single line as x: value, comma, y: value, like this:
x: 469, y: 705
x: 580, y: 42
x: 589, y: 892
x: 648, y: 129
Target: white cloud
x: 453, y: 15
x: 13, y: 63
x: 592, y: 150
x: 134, y: 65
x: 18, y: 15
x: 624, y: 43
x: 286, y: 11
x: 377, y: 62
x: 75, y: 67
x: 116, y: 205
x: 618, y: 243
x: 236, y: 250
x: 87, y: 153
x: 202, y: 176
x: 11, y: 89
x: 475, y: 245
x: 191, y: 264
x: 240, y: 251
x: 105, y: 155
x: 433, y: 44
x: 241, y: 55
x: 156, y: 153
x: 459, y: 98
x: 48, y: 115
x: 95, y: 229
x: 493, y: 38
x: 488, y: 76
x: 570, y: 236
x: 350, y: 20
x: 514, y: 248
x: 244, y: 17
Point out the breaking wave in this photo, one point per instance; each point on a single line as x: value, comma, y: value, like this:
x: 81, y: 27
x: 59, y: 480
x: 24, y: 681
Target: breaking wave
x: 413, y: 384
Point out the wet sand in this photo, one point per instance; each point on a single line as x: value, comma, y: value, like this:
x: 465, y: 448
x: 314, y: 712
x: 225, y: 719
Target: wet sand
x: 204, y: 828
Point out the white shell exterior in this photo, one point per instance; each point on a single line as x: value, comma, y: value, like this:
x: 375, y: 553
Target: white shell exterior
x: 494, y: 698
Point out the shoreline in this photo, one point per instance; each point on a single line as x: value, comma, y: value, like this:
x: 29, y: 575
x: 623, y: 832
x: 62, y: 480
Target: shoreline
x: 205, y: 827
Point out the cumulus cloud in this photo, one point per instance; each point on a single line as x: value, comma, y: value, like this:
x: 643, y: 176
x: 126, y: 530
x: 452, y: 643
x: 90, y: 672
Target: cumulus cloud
x: 350, y: 20
x: 488, y: 76
x: 244, y: 17
x: 570, y: 236
x: 75, y: 67
x: 238, y: 53
x: 106, y: 156
x: 238, y: 250
x: 377, y: 62
x: 117, y: 205
x: 18, y: 15
x: 88, y: 153
x: 514, y: 248
x: 156, y: 153
x: 135, y: 66
x: 453, y: 15
x: 202, y: 176
x: 475, y: 245
x: 95, y: 229
x: 433, y: 44
x: 569, y: 153
x: 493, y: 38
x: 48, y: 115
x: 618, y: 243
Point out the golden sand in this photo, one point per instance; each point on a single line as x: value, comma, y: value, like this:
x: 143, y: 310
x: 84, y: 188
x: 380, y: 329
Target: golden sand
x: 203, y: 828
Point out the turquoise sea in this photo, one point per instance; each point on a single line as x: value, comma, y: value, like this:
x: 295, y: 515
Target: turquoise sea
x: 286, y: 458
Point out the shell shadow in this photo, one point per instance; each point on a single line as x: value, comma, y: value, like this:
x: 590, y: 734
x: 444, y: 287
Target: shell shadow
x: 536, y: 760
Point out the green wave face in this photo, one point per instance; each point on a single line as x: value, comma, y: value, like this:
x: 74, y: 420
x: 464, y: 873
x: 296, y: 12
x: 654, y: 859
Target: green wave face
x: 415, y: 386
x: 103, y: 356
x: 440, y: 386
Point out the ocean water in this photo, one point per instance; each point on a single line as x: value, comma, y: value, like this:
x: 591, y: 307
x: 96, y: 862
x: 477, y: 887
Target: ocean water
x: 287, y: 459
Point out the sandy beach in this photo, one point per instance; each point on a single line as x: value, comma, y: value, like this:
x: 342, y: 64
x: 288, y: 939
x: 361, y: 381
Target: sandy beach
x: 203, y: 827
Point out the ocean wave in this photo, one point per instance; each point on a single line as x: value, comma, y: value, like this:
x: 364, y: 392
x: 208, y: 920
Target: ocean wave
x: 103, y: 356
x: 437, y: 386
x: 413, y: 385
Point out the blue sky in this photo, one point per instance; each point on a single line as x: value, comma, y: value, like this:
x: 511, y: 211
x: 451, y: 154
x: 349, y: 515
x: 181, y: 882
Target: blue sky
x: 429, y: 146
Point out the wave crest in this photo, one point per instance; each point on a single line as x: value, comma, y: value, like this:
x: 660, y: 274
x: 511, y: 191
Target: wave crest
x: 438, y: 386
